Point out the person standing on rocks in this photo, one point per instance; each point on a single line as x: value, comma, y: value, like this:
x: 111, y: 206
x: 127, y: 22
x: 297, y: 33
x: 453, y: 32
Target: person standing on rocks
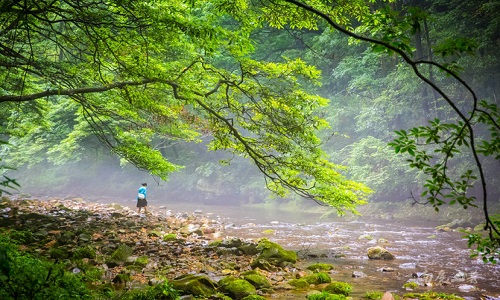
x: 141, y: 198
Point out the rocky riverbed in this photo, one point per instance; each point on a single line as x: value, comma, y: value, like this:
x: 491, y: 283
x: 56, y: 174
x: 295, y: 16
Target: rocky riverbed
x: 134, y: 250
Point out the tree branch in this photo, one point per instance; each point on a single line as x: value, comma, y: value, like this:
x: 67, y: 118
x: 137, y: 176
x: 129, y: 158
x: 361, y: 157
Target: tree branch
x: 70, y: 92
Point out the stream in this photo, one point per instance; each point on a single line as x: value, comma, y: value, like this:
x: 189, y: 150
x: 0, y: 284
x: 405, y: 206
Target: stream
x: 439, y: 259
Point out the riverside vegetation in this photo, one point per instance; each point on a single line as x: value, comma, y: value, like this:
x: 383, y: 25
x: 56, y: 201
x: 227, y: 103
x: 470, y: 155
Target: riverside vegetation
x: 61, y: 249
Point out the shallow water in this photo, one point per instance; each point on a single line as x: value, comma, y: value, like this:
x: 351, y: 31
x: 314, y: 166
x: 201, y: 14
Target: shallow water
x: 419, y: 249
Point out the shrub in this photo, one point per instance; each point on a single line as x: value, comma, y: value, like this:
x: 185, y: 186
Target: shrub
x: 25, y: 277
x: 22, y: 237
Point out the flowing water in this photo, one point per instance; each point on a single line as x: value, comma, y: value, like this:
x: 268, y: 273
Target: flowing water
x: 438, y: 259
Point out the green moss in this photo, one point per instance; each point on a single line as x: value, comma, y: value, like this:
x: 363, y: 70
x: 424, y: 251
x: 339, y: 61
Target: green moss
x: 239, y: 289
x: 215, y: 243
x: 338, y: 287
x: 258, y: 280
x: 374, y: 295
x: 254, y: 297
x: 199, y: 286
x: 318, y: 278
x: 226, y: 280
x: 122, y: 253
x: 142, y: 260
x: 249, y: 249
x: 220, y: 296
x: 320, y: 267
x: 410, y: 285
x: 273, y: 254
x: 325, y: 296
x: 170, y: 237
x: 300, y: 284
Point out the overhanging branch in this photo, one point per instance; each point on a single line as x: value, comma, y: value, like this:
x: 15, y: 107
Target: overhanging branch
x: 71, y: 92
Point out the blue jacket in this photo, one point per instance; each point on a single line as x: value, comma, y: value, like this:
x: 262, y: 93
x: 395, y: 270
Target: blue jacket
x: 143, y: 190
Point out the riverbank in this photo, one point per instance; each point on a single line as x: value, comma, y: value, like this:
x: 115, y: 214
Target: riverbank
x: 163, y: 244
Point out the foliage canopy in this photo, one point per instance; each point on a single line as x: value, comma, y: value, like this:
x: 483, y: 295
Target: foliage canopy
x: 137, y: 73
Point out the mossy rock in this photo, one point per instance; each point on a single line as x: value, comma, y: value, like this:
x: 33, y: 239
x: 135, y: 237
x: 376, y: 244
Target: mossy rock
x: 66, y: 238
x: 254, y: 297
x: 273, y: 254
x: 365, y: 237
x: 338, y: 287
x: 325, y: 296
x: 220, y: 296
x: 263, y: 265
x: 318, y: 278
x: 239, y: 289
x: 142, y: 260
x: 379, y: 253
x: 154, y: 233
x: 479, y: 228
x: 231, y: 243
x: 320, y: 267
x: 258, y: 280
x: 122, y: 278
x: 300, y: 284
x: 374, y: 295
x: 169, y: 237
x: 249, y: 249
x: 216, y: 243
x: 120, y: 255
x: 226, y: 280
x: 198, y: 286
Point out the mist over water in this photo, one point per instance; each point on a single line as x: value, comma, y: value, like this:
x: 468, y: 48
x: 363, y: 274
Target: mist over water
x: 313, y: 231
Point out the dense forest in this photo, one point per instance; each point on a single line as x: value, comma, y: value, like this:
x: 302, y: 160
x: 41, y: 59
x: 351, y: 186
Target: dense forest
x: 339, y: 102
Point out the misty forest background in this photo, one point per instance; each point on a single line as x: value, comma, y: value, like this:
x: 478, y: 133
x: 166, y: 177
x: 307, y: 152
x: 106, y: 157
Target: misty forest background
x: 53, y: 151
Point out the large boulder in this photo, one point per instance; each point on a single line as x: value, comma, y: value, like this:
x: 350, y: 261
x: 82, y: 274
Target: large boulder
x: 258, y: 280
x: 272, y: 254
x: 196, y: 285
x: 379, y: 253
x: 238, y: 288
